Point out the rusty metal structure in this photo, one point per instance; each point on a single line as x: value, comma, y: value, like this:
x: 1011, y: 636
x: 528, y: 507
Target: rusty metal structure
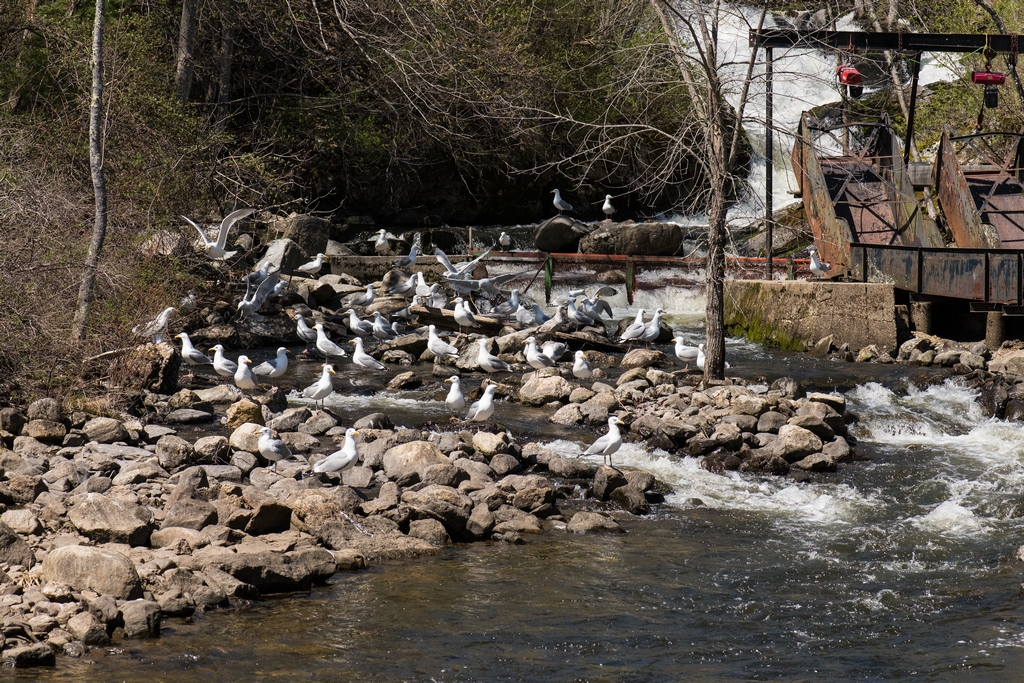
x: 857, y: 196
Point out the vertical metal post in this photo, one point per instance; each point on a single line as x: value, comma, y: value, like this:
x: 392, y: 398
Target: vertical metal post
x: 549, y: 276
x: 469, y: 247
x: 768, y: 162
x: 630, y: 281
x: 911, y: 108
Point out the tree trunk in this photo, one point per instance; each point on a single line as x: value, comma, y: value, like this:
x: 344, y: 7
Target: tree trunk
x: 186, y: 47
x: 99, y: 187
x: 714, y: 308
x: 227, y: 53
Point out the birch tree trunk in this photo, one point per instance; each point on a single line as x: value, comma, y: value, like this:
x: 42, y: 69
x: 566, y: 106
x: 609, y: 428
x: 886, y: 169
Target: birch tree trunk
x: 99, y: 229
x: 227, y: 55
x: 186, y: 47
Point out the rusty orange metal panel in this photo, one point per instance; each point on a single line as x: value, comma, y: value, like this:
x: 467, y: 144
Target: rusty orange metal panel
x: 957, y: 202
x: 831, y: 234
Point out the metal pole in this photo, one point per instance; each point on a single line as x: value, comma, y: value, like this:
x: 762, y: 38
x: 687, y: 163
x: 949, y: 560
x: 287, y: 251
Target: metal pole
x: 769, y: 162
x: 912, y: 107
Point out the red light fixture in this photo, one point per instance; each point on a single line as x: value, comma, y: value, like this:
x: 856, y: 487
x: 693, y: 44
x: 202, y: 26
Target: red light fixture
x: 988, y: 78
x: 848, y: 76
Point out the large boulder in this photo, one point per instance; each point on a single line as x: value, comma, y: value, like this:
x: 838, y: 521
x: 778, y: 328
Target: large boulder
x: 141, y: 619
x: 105, y: 430
x: 44, y: 409
x: 638, y: 239
x: 445, y: 504
x: 13, y: 549
x: 284, y: 255
x: 310, y: 233
x: 246, y: 438
x: 106, y: 520
x: 102, y: 571
x: 270, y: 572
x: 416, y: 456
x: 173, y: 452
x: 795, y: 443
x: 538, y: 391
x: 152, y: 367
x: 592, y: 522
x: 559, y: 234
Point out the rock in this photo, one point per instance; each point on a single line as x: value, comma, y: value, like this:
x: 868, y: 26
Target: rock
x: 187, y: 513
x: 533, y: 498
x: 107, y: 520
x: 222, y: 394
x: 429, y: 530
x: 13, y: 549
x: 631, y: 499
x: 480, y: 522
x: 23, y: 522
x: 539, y: 391
x: 104, y: 608
x: 638, y: 239
x: 44, y: 409
x: 444, y: 475
x: 285, y: 255
x: 795, y: 443
x: 299, y: 442
x: 764, y: 461
x: 290, y: 419
x: 318, y: 423
x: 835, y: 401
x: 569, y: 414
x: 559, y: 234
x: 138, y: 473
x: 814, y: 424
x: 11, y: 420
x: 415, y: 456
x: 606, y: 480
x: 270, y: 572
x: 88, y: 629
x: 28, y: 656
x: 644, y: 358
x: 403, y: 380
x: 244, y: 411
x: 771, y: 421
x: 21, y: 489
x: 598, y: 408
x: 170, y: 537
x: 152, y: 367
x: 173, y: 452
x: 504, y: 464
x: 490, y: 444
x: 373, y: 421
x: 570, y: 468
x: 745, y: 423
x: 816, y: 462
x: 89, y: 568
x: 838, y: 450
x: 188, y: 416
x: 269, y: 517
x: 105, y: 430
x: 592, y: 522
x: 141, y: 619
x: 445, y: 504
x: 45, y: 431
x: 749, y: 405
x: 246, y: 437
x: 640, y: 479
x: 211, y: 449
x: 823, y: 346
x: 358, y: 477
x: 310, y: 233
x: 245, y: 462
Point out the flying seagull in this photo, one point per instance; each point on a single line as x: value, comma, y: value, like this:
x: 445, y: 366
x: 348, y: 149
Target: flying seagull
x: 215, y: 250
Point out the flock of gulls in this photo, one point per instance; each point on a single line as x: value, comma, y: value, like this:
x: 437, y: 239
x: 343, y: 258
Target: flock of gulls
x: 469, y: 297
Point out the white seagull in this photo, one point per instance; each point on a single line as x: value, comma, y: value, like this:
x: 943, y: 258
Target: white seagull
x: 362, y: 299
x: 438, y: 346
x: 325, y: 345
x: 422, y: 288
x: 581, y: 368
x: 535, y: 358
x: 380, y: 327
x: 358, y: 326
x: 313, y: 267
x: 406, y: 286
x: 553, y: 350
x: 505, y: 240
x: 818, y: 267
x: 303, y: 331
x: 188, y: 303
x: 607, y: 207
x: 653, y: 329
x: 455, y: 400
x: 322, y: 388
x: 410, y: 260
x: 244, y: 378
x: 609, y: 443
x: 484, y: 408
x: 687, y: 354
x: 155, y: 328
x: 463, y: 316
x: 221, y: 365
x: 341, y: 460
x: 524, y: 316
x: 273, y: 368
x: 635, y: 329
x: 700, y: 357
x: 560, y: 203
x: 272, y: 448
x: 215, y: 249
x: 381, y: 243
x: 489, y: 362
x: 362, y: 359
x: 191, y: 354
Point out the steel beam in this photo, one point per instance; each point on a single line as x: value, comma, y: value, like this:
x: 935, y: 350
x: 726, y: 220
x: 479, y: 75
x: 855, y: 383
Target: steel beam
x: 900, y: 42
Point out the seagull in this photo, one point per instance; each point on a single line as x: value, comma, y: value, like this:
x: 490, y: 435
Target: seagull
x: 700, y: 357
x: 381, y: 243
x: 489, y: 362
x: 509, y: 306
x: 272, y: 448
x: 313, y: 267
x: 273, y: 368
x: 608, y: 208
x: 303, y: 331
x: 437, y: 299
x: 539, y: 316
x: 818, y: 267
x: 653, y: 329
x: 422, y: 288
x: 155, y: 328
x: 455, y: 400
x: 188, y: 303
x: 244, y: 378
x: 322, y: 388
x: 404, y: 287
x: 460, y: 272
x: 250, y: 304
x: 357, y: 325
x: 362, y: 299
x: 609, y: 443
x: 215, y: 250
x: 325, y: 345
x: 553, y: 350
x: 259, y: 275
x: 535, y: 358
x: 410, y: 260
x: 221, y: 365
x: 463, y: 316
x: 581, y: 368
x: 505, y: 240
x: 406, y: 313
x: 362, y: 359
x: 380, y: 327
x: 635, y: 329
x: 190, y: 354
x: 524, y: 316
x: 340, y: 461
x: 560, y: 203
x: 438, y: 346
x: 484, y: 408
x: 687, y: 354
x: 596, y: 308
x: 577, y: 316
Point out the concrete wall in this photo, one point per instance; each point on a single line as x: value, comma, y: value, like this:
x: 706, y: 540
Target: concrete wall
x: 792, y: 313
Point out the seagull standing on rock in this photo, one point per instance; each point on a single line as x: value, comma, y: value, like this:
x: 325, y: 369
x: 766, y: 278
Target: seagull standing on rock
x: 553, y: 350
x: 524, y: 316
x: 581, y: 368
x: 362, y: 359
x: 410, y: 260
x: 609, y: 443
x: 607, y: 207
x: 380, y: 327
x: 322, y: 388
x: 484, y: 408
x: 358, y: 326
x: 653, y: 329
x: 303, y: 331
x: 325, y: 345
x: 190, y: 354
x: 560, y: 203
x: 489, y: 362
x: 455, y: 400
x: 438, y: 346
x: 221, y: 365
x: 362, y: 299
x: 818, y: 267
x: 272, y: 448
x: 341, y: 460
x: 404, y: 287
x: 535, y: 358
x: 463, y: 316
x: 635, y: 329
x: 313, y: 267
x: 273, y: 368
x: 244, y: 379
x: 505, y: 240
x: 687, y: 354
